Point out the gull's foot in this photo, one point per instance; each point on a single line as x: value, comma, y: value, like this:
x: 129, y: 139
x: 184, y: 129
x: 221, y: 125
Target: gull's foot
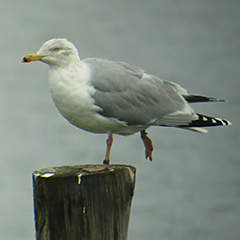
x: 98, y: 168
x: 148, y: 145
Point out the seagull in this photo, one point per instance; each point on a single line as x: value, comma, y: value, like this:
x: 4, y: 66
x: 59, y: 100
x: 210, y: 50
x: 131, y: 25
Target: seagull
x: 103, y: 96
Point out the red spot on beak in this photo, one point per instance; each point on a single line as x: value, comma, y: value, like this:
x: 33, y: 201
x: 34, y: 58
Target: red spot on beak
x: 26, y: 60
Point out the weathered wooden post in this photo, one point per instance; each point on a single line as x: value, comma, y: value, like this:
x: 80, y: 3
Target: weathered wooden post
x: 72, y: 204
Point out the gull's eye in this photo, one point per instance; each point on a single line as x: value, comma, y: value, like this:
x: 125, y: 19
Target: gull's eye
x: 56, y: 49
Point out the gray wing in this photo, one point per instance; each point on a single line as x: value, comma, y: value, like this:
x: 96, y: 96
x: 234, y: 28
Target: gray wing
x: 125, y: 92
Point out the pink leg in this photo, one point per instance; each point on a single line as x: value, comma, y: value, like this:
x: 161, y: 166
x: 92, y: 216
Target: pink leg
x: 106, y: 160
x: 109, y: 145
x: 147, y: 144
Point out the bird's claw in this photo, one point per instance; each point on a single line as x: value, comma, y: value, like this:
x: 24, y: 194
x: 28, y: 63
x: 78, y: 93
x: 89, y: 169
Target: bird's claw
x: 96, y: 168
x: 147, y: 144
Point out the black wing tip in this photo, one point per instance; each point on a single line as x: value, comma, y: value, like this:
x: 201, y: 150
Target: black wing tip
x: 198, y: 98
x: 206, y: 121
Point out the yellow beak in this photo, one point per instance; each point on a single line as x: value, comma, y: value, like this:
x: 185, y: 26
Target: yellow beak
x: 32, y: 57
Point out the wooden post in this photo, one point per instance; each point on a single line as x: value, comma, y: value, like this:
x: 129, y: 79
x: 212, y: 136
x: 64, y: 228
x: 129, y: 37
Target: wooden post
x: 71, y: 204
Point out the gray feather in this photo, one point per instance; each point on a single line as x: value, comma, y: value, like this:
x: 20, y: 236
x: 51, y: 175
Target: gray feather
x: 126, y: 93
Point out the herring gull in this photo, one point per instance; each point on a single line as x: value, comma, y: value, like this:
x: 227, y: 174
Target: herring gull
x: 103, y: 96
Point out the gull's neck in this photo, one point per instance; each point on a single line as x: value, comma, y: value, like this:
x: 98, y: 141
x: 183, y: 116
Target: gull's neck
x: 77, y: 72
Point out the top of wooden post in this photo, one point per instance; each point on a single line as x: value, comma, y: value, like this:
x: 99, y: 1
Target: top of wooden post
x: 77, y: 170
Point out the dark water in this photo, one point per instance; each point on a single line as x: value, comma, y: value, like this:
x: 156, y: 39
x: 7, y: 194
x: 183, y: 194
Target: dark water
x: 191, y: 190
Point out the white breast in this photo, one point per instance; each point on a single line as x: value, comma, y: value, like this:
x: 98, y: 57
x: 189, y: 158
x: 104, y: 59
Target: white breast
x: 71, y: 92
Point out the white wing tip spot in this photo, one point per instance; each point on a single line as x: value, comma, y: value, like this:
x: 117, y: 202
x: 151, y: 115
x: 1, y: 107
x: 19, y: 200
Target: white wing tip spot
x: 205, y: 119
x: 214, y: 121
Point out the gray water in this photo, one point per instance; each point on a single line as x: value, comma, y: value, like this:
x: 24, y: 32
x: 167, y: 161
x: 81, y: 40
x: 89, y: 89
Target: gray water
x: 191, y: 190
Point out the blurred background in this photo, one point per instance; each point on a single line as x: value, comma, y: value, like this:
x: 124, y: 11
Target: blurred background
x: 191, y: 190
